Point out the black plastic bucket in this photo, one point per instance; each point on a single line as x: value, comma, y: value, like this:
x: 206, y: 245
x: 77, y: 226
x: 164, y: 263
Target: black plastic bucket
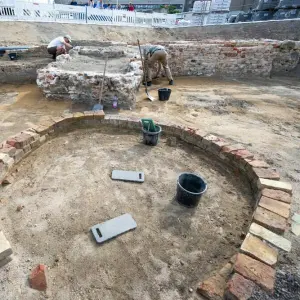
x: 151, y: 138
x: 190, y: 188
x: 12, y: 56
x: 164, y: 94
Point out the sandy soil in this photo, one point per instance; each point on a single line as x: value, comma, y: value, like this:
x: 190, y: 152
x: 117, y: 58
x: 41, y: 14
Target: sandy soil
x: 65, y: 188
x: 29, y: 33
x: 36, y: 33
x: 261, y: 114
x: 85, y: 63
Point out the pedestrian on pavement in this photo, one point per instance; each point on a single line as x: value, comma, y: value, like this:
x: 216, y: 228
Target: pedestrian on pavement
x: 99, y: 4
x: 130, y: 7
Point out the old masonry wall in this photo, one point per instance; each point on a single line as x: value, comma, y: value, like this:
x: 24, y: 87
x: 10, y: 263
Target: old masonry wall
x: 65, y: 79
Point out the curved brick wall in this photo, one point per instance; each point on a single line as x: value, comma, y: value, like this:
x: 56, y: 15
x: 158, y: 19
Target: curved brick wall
x: 256, y: 261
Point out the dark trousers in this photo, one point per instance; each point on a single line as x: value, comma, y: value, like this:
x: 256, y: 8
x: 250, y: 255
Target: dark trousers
x: 52, y: 51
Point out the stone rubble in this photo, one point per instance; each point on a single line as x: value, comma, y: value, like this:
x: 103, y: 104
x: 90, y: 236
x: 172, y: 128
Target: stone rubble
x: 61, y: 80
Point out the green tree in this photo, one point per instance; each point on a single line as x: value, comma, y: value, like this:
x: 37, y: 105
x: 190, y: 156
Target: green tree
x: 172, y: 9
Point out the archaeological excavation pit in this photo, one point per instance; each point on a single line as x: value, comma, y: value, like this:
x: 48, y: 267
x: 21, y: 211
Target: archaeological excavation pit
x: 65, y: 187
x: 79, y: 76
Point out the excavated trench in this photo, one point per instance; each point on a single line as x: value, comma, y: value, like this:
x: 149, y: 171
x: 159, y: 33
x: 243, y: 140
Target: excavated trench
x: 65, y: 187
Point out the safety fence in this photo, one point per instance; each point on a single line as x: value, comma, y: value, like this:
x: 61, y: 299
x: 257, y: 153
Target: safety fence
x: 39, y: 12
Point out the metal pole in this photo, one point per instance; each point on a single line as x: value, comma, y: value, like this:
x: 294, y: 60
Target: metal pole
x: 86, y: 19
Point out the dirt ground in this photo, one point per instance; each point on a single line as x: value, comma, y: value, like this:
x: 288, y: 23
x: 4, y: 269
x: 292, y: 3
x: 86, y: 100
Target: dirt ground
x: 92, y: 64
x: 262, y: 114
x: 36, y: 33
x: 65, y: 187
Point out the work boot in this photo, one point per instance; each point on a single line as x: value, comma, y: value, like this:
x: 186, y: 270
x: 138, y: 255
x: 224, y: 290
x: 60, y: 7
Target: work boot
x: 171, y: 82
x: 149, y: 83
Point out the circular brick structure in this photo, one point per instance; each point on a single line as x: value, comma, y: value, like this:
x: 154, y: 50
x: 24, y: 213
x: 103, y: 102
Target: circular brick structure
x: 255, y: 263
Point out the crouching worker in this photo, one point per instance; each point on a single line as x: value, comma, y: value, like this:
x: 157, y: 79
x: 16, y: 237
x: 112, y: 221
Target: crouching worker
x: 60, y: 45
x: 153, y: 54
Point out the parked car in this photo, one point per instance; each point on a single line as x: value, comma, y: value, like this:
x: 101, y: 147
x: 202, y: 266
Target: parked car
x: 244, y: 17
x: 231, y: 17
x: 282, y: 14
x: 262, y: 15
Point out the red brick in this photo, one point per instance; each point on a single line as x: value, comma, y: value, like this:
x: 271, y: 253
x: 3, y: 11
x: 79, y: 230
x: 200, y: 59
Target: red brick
x: 27, y: 149
x: 45, y: 126
x: 260, y: 273
x: 18, y: 155
x: 8, y: 149
x: 60, y: 123
x: 37, y: 278
x: 99, y: 114
x: 263, y: 183
x: 257, y: 163
x: 20, y: 141
x: 277, y: 195
x: 226, y: 152
x: 270, y: 220
x: 78, y: 115
x: 41, y: 129
x: 89, y: 115
x: 67, y: 116
x: 242, y: 153
x: 277, y: 207
x: 213, y: 287
x: 220, y: 143
x: 35, y: 144
x: 57, y: 120
x: 266, y: 173
x: 214, y: 144
x: 47, y: 122
x: 259, y: 250
x: 239, y: 288
x: 230, y: 148
x: 32, y: 133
